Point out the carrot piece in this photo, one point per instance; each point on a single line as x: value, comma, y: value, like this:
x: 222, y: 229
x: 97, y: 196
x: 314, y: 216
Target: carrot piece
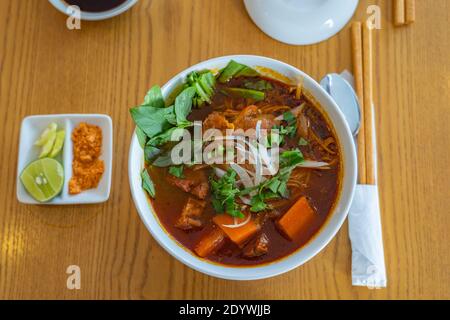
x: 210, y: 243
x: 296, y: 219
x: 238, y: 235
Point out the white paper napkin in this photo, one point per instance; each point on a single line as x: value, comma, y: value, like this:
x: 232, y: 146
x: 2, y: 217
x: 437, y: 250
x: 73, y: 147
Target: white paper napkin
x: 368, y: 266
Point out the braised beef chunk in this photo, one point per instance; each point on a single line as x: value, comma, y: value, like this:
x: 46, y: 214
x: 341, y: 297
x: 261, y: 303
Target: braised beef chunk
x: 217, y: 121
x: 184, y: 184
x: 257, y: 247
x: 249, y: 117
x: 195, y: 183
x: 191, y: 214
x: 201, y: 190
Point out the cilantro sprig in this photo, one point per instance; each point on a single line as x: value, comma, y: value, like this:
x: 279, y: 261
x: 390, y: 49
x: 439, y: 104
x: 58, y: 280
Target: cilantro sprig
x: 224, y: 193
x: 275, y: 187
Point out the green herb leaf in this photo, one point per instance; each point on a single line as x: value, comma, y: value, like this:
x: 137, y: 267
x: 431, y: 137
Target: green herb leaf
x: 224, y: 191
x: 261, y: 85
x: 147, y: 183
x: 235, y: 69
x: 258, y: 204
x: 150, y: 152
x: 289, y: 117
x: 154, y: 98
x: 302, y: 142
x: 141, y: 136
x: 204, y: 84
x: 183, y: 105
x: 163, y: 161
x: 246, y: 93
x: 177, y: 171
x: 151, y: 120
x: 291, y: 158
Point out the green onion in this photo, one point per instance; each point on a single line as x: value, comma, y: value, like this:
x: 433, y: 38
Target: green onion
x: 247, y: 93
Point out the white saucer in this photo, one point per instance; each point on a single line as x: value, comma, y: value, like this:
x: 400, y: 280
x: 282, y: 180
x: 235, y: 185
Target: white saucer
x: 301, y: 22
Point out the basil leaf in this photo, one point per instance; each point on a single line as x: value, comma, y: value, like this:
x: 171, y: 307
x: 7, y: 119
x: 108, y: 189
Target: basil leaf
x: 173, y: 134
x: 141, y: 136
x: 183, y: 105
x: 177, y: 171
x: 150, y: 152
x: 151, y: 120
x: 163, y: 161
x: 147, y: 183
x: 154, y: 98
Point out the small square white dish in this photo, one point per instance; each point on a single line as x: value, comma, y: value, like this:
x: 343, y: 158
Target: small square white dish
x: 31, y: 129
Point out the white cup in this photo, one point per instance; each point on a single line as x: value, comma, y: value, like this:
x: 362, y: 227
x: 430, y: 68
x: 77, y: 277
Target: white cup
x: 94, y: 16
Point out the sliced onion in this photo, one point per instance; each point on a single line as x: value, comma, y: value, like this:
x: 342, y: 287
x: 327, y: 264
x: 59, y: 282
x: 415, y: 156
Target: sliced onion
x: 219, y: 172
x: 296, y: 111
x: 314, y: 164
x: 242, y: 173
x: 234, y: 226
x: 245, y: 200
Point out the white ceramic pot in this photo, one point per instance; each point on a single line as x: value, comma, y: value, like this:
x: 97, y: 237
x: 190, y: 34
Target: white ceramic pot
x: 301, y: 22
x: 324, y: 236
x: 61, y: 5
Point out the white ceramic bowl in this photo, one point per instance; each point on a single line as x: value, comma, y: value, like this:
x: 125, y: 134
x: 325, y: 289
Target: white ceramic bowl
x: 334, y: 222
x: 61, y: 5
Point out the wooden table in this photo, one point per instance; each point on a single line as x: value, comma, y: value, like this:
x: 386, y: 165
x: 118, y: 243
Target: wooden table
x: 106, y: 67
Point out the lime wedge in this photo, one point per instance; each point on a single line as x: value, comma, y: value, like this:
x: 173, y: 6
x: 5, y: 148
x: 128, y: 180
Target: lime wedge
x: 59, y: 142
x: 48, y: 146
x: 43, y: 179
x: 46, y: 134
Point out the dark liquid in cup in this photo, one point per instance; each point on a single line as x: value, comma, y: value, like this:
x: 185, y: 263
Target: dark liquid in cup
x: 95, y: 5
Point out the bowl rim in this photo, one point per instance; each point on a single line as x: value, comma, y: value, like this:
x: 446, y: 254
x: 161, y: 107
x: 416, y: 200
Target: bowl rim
x: 322, y: 238
x: 61, y: 5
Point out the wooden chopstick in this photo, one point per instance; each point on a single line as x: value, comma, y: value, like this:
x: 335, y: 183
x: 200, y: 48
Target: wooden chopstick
x: 399, y: 12
x: 357, y: 60
x: 410, y: 11
x: 367, y: 41
x: 362, y: 58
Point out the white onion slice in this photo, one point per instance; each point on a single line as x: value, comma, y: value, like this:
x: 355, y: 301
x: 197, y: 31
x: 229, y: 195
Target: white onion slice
x: 314, y: 164
x: 294, y: 111
x: 234, y: 226
x: 245, y: 200
x: 219, y: 172
x: 242, y: 173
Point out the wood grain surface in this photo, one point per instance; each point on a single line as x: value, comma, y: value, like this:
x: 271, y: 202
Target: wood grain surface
x: 106, y: 67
